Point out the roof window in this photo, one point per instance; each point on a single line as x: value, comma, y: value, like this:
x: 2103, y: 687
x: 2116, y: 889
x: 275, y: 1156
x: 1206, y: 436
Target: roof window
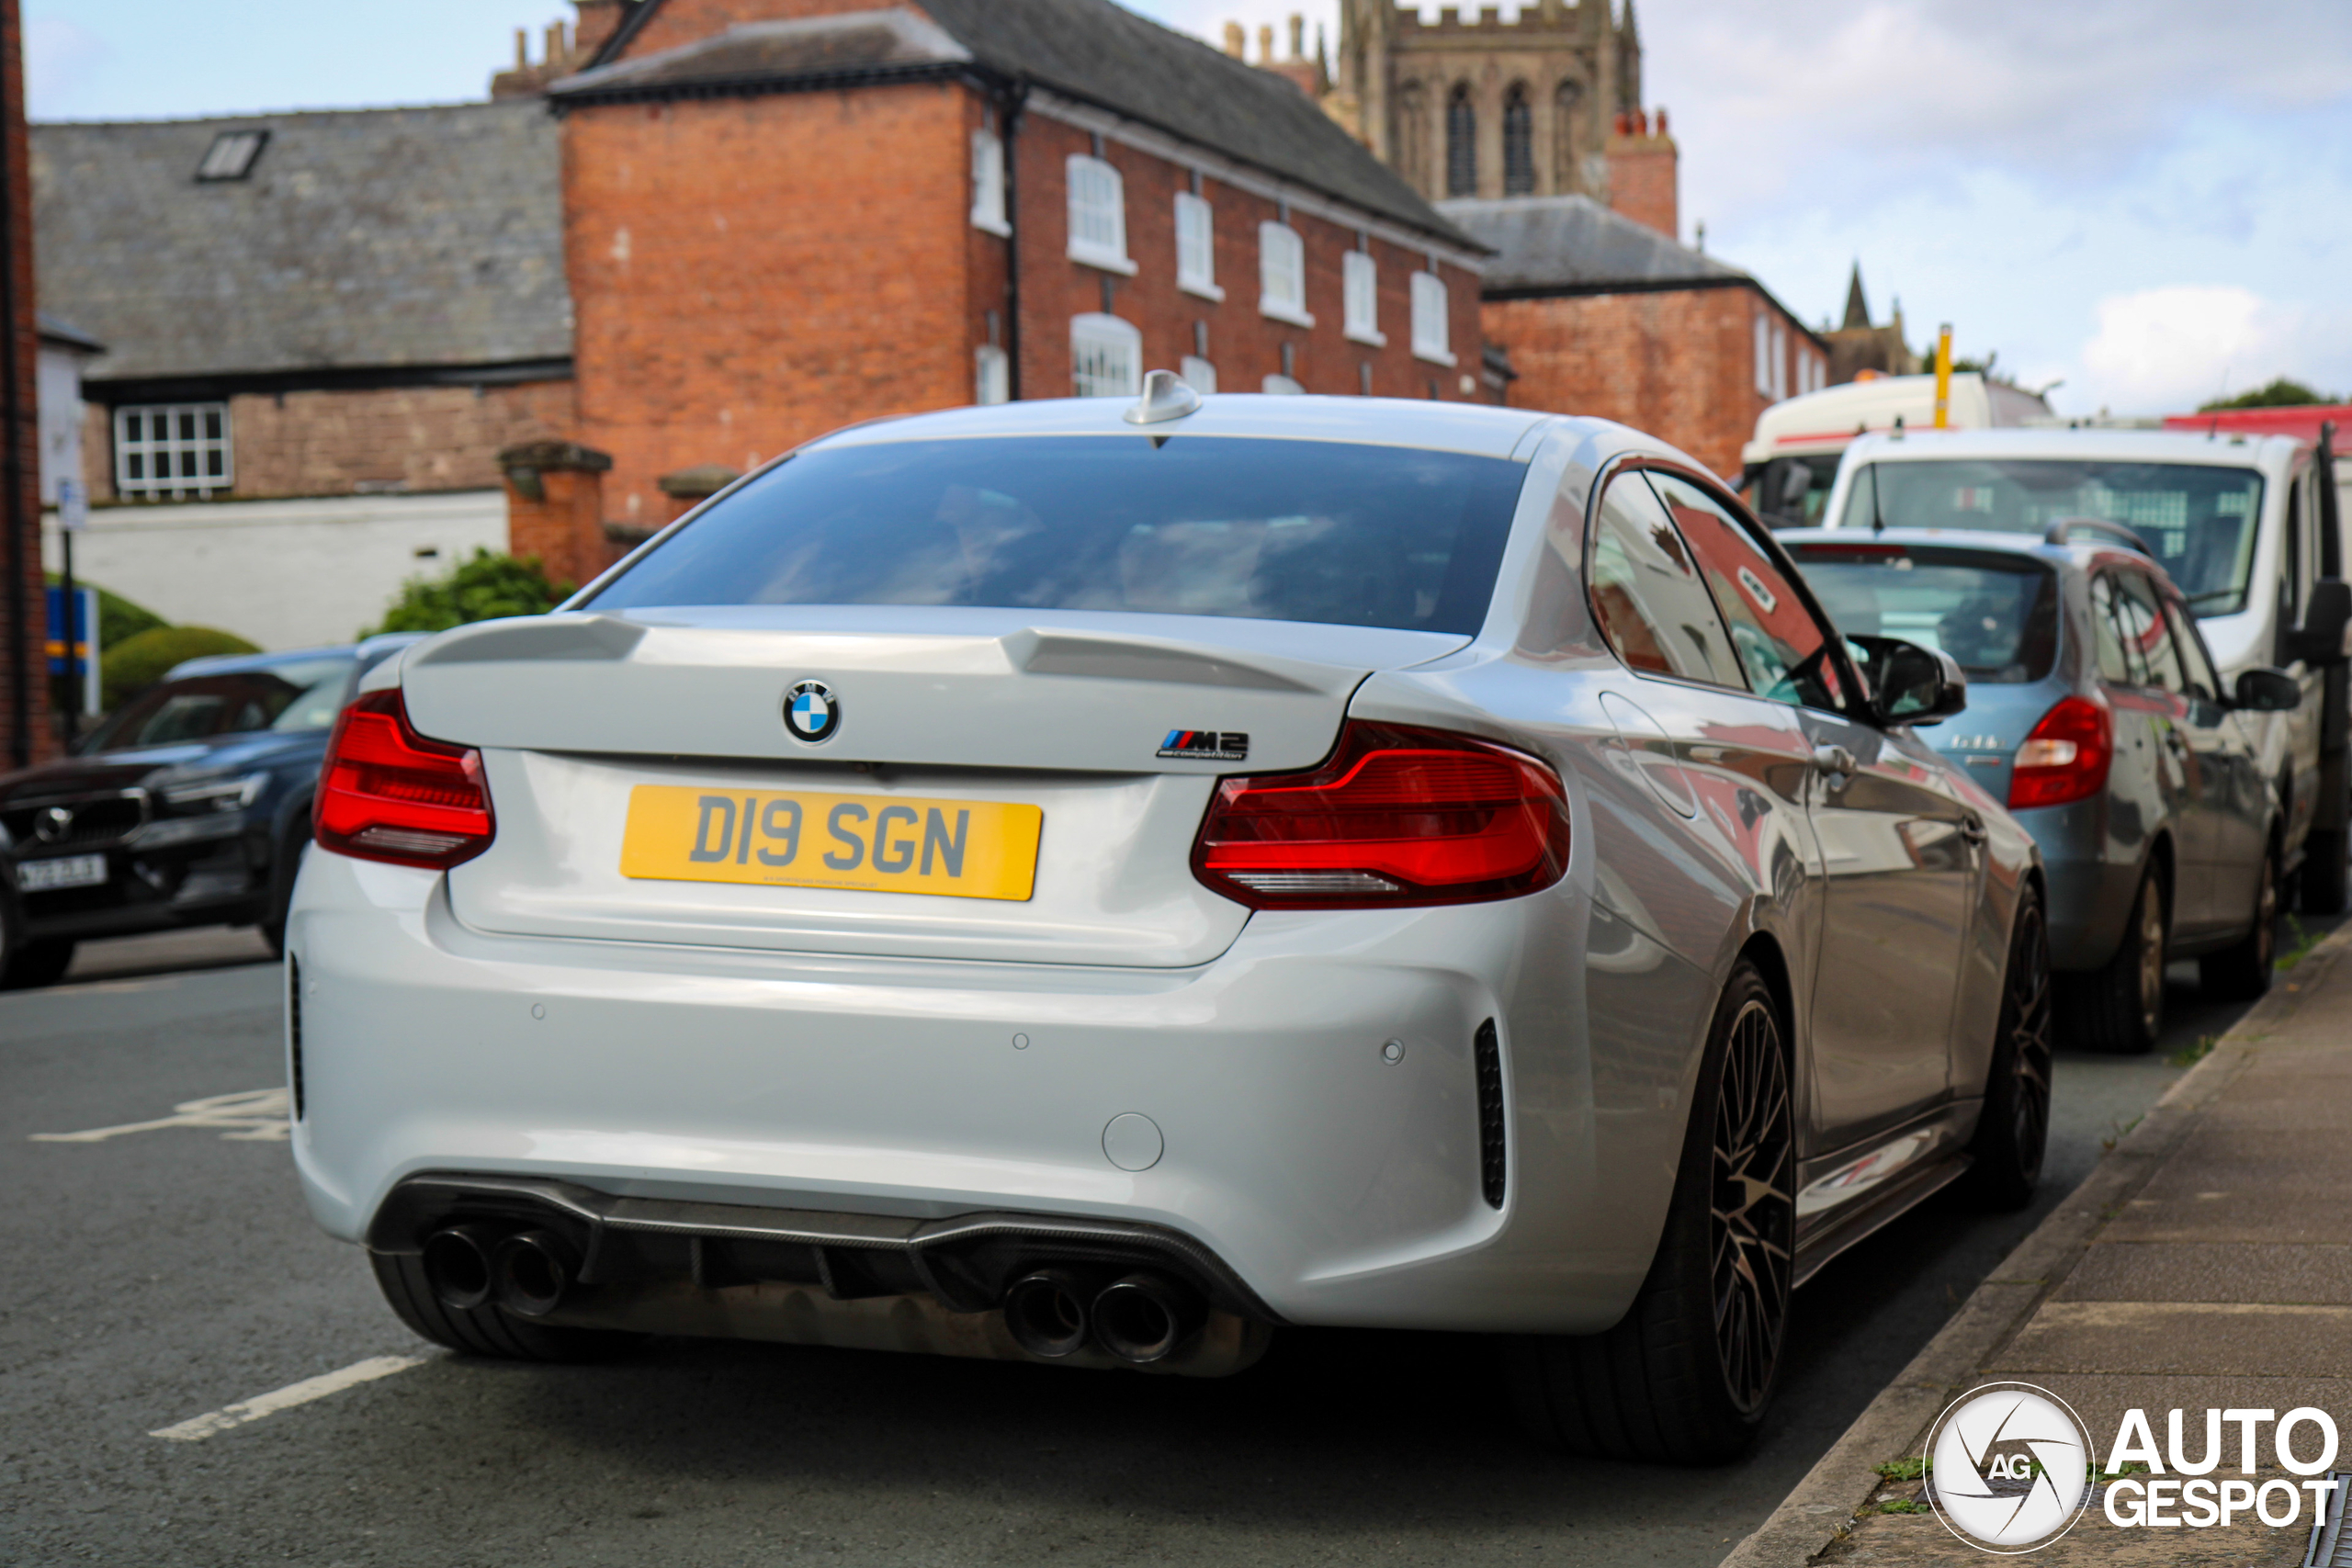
x: 232, y: 155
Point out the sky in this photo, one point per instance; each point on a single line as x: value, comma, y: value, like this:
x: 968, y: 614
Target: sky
x: 2148, y: 202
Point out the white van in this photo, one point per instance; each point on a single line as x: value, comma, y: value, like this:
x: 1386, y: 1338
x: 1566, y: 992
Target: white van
x: 1787, y: 468
x: 2236, y: 522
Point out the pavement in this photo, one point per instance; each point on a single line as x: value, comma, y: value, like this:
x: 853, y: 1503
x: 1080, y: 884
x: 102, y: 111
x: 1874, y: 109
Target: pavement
x: 2207, y: 1263
x: 165, y: 1277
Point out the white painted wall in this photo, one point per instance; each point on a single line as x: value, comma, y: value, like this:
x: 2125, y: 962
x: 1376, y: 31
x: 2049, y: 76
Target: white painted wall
x: 280, y: 573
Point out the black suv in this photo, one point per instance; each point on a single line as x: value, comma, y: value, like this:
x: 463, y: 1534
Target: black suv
x: 189, y: 806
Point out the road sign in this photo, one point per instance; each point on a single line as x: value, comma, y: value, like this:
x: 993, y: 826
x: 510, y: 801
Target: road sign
x: 85, y: 659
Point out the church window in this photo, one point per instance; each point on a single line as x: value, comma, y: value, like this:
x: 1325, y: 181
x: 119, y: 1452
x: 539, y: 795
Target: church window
x: 1097, y: 215
x: 1566, y: 99
x: 1460, y: 143
x: 1282, y: 275
x: 1106, y: 357
x: 1519, y: 143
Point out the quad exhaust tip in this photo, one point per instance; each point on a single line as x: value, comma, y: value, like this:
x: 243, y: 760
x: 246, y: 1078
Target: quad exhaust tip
x: 524, y: 1272
x: 1048, y: 1314
x: 1143, y: 1318
x: 457, y: 1262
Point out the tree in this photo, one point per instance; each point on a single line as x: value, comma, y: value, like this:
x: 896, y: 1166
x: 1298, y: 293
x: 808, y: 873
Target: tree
x: 2280, y: 394
x: 482, y: 589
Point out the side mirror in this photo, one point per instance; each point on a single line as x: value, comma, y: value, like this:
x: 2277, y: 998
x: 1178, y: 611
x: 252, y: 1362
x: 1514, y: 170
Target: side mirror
x: 2320, y: 639
x: 2268, y: 690
x: 1910, y: 684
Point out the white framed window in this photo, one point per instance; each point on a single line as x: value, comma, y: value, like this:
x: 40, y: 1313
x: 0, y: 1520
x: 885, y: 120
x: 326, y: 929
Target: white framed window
x: 1361, y: 277
x: 1282, y: 387
x: 1198, y: 373
x: 1779, y: 361
x: 1431, y: 330
x: 992, y: 375
x: 988, y: 182
x: 1763, y: 354
x: 1282, y: 275
x: 1097, y: 215
x: 173, y: 451
x: 1106, y: 357
x: 1196, y: 246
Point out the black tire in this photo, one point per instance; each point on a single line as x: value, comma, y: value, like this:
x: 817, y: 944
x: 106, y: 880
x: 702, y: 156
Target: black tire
x: 2320, y: 885
x: 1688, y: 1375
x: 36, y: 964
x: 2013, y: 1130
x: 2120, y: 1007
x: 486, y: 1330
x: 2241, y: 973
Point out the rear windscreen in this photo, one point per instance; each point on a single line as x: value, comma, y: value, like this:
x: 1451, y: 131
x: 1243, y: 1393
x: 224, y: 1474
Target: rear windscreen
x: 2198, y: 518
x: 1351, y: 535
x: 1996, y: 617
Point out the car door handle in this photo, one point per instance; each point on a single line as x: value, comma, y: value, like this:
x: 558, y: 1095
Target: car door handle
x: 1972, y: 829
x: 1832, y: 760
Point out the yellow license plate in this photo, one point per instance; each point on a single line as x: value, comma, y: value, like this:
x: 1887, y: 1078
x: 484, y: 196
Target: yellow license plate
x: 965, y: 848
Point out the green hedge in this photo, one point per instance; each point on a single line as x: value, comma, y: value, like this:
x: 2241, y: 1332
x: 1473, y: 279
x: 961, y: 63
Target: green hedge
x: 119, y: 620
x: 482, y: 589
x: 142, y: 661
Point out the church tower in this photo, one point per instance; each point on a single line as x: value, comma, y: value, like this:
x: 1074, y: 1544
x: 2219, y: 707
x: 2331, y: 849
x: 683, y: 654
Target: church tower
x: 1481, y: 107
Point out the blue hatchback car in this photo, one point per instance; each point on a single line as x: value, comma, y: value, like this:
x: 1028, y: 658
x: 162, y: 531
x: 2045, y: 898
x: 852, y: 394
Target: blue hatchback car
x: 2095, y: 713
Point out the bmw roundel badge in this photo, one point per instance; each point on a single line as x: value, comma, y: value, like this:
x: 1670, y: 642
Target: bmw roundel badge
x: 811, y: 712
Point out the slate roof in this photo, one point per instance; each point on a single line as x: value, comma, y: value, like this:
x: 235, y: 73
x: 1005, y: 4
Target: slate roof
x: 1093, y: 50
x: 380, y: 237
x: 1564, y: 245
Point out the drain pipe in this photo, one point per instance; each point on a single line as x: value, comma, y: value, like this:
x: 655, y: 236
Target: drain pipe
x: 24, y: 645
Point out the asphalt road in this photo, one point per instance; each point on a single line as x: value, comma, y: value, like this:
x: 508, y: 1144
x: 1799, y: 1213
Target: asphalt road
x: 155, y: 1276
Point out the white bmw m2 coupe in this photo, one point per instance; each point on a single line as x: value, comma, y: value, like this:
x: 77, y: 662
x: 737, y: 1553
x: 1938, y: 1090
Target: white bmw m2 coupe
x: 1098, y: 883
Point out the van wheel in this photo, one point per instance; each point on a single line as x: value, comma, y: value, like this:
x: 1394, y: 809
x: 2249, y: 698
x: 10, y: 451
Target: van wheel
x: 2013, y: 1130
x: 486, y: 1330
x: 2241, y: 973
x: 2320, y: 887
x: 2121, y: 1008
x: 1686, y: 1377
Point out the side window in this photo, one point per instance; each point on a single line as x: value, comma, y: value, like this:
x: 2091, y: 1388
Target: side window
x: 2107, y: 630
x: 2202, y: 681
x: 1785, y: 652
x: 1647, y: 594
x: 2148, y: 643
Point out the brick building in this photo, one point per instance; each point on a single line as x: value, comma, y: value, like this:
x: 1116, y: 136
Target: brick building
x: 308, y: 304
x: 784, y: 215
x: 1604, y: 315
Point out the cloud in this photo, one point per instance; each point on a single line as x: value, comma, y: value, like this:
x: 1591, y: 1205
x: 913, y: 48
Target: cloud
x: 2170, y: 348
x: 61, y: 57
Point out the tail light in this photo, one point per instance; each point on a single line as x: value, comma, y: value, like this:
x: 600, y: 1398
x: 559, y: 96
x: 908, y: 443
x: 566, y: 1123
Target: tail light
x: 386, y: 793
x: 2067, y: 757
x: 1397, y: 816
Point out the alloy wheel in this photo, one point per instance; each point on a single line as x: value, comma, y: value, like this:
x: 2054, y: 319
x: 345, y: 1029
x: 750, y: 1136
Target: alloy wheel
x: 1753, y: 1216
x: 2029, y: 1051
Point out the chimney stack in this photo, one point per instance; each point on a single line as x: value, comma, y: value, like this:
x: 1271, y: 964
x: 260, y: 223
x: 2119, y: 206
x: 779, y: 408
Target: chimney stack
x: 1644, y: 173
x: 1266, y: 43
x: 1237, y: 41
x: 1297, y: 36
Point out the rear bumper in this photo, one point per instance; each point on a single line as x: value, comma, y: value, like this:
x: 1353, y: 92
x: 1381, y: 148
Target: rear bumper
x: 1335, y: 1185
x: 2090, y: 893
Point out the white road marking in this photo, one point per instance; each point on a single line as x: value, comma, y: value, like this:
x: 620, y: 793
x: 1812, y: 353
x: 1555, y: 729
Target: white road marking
x: 287, y: 1398
x: 255, y: 1116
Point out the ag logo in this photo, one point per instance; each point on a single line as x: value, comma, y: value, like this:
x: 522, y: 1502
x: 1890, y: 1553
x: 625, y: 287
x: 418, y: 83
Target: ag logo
x: 2011, y: 1468
x: 811, y: 712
